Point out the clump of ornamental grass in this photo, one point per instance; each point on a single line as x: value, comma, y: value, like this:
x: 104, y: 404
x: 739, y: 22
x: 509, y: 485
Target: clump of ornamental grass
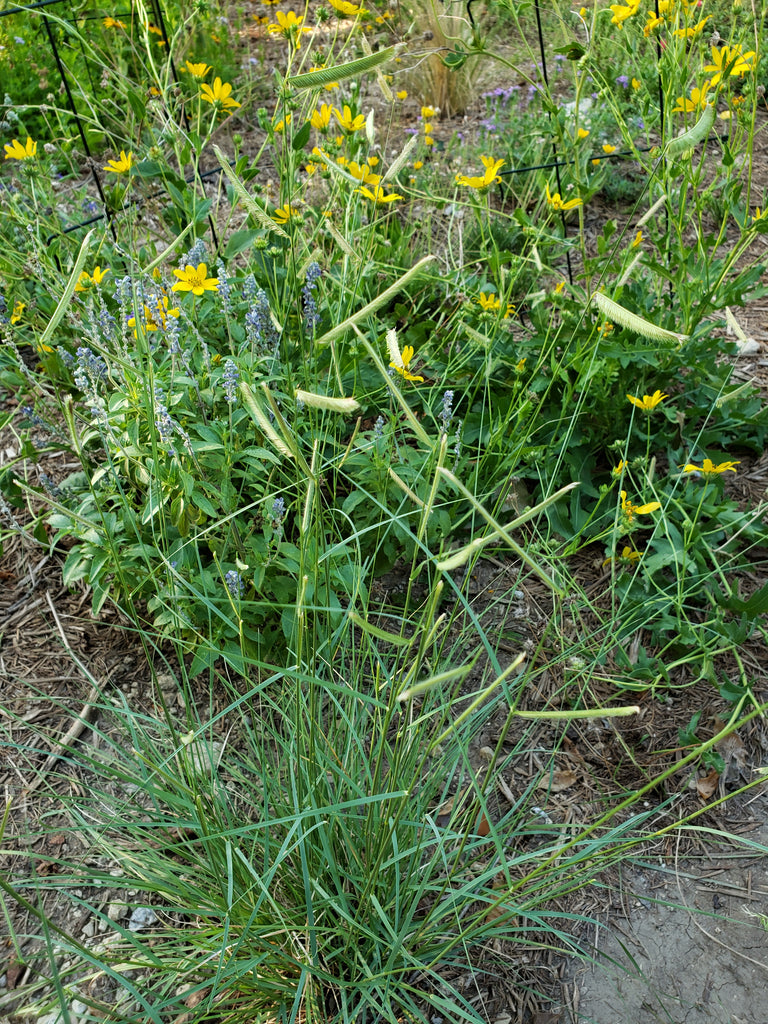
x: 446, y: 88
x: 323, y: 844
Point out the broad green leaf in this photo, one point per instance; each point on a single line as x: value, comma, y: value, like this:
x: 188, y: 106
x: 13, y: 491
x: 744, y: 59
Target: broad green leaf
x: 301, y: 138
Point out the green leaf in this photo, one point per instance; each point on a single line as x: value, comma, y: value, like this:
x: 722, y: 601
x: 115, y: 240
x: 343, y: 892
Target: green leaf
x: 687, y: 735
x: 183, y: 516
x: 239, y: 241
x: 149, y: 169
x: 74, y: 568
x: 711, y: 759
x: 137, y: 104
x: 455, y: 59
x: 201, y: 502
x: 99, y: 594
x: 176, y: 195
x: 318, y: 79
x: 301, y: 138
x: 97, y: 564
x: 201, y: 210
x: 732, y: 692
x: 573, y: 51
x: 757, y: 604
x: 205, y: 658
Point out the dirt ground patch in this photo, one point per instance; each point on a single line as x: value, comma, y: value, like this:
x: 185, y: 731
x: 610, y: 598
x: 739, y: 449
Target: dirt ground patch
x: 688, y: 941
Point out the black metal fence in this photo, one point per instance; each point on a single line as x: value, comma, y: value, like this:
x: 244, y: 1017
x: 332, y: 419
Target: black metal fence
x: 53, y: 12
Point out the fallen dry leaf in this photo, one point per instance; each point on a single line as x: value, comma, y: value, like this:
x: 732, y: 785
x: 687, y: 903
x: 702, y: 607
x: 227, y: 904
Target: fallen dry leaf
x: 13, y: 974
x: 483, y: 828
x: 707, y: 785
x: 558, y: 781
x: 732, y: 750
x: 445, y: 810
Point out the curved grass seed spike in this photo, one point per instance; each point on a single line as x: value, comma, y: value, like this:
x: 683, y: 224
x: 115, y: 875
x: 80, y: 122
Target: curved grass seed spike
x: 695, y: 135
x: 734, y: 324
x: 261, y: 418
x: 344, y: 405
x: 650, y: 213
x: 399, y: 162
x: 383, y: 83
x: 374, y: 304
x: 744, y: 389
x: 502, y: 532
x: 69, y: 291
x: 554, y: 716
x: 317, y: 79
x: 628, y: 272
x: 619, y: 315
x: 247, y: 200
x: 462, y: 555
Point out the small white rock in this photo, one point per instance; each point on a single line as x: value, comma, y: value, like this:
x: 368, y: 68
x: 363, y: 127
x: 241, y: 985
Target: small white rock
x: 747, y: 347
x: 141, y: 918
x: 116, y: 911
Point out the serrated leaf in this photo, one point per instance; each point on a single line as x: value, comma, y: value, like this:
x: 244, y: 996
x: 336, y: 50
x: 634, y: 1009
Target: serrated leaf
x: 757, y: 604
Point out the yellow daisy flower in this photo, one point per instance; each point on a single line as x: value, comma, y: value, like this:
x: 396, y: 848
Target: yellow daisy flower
x: 219, y: 94
x: 378, y: 195
x: 347, y: 121
x: 195, y: 280
x: 15, y: 151
x: 484, y: 181
x: 284, y: 213
x: 708, y: 467
x: 557, y: 203
x: 345, y: 7
x: 648, y: 402
x: 405, y: 360
x: 196, y: 70
x: 86, y: 280
x: 321, y: 118
x: 629, y: 511
x: 121, y: 165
